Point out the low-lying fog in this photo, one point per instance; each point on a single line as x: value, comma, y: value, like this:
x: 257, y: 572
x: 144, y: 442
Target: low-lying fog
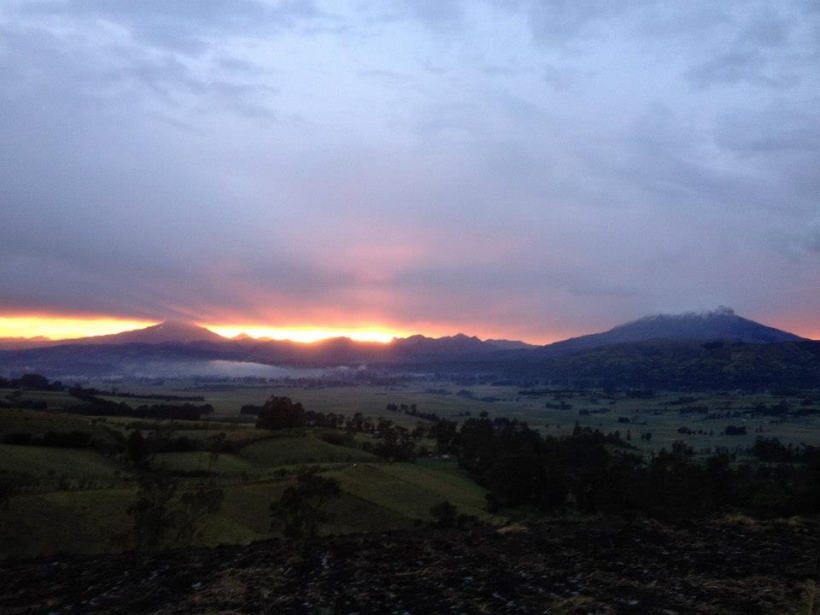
x: 221, y: 369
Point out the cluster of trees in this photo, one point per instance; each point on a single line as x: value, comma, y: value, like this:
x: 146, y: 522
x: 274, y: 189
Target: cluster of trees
x: 734, y: 430
x: 392, y: 441
x: 593, y: 472
x: 91, y: 401
x: 280, y: 413
x: 184, y: 412
x: 95, y: 405
x: 142, y: 449
x: 59, y: 439
x: 772, y: 450
x: 412, y: 410
x: 31, y: 382
x: 79, y: 391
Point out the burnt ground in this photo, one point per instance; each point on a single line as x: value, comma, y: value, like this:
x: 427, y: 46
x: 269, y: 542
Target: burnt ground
x: 558, y: 567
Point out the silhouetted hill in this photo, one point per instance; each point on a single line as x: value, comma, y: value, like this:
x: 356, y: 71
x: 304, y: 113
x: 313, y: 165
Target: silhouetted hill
x: 721, y: 323
x: 165, y: 332
x: 559, y: 566
x: 19, y: 343
x: 716, y: 349
x: 683, y: 364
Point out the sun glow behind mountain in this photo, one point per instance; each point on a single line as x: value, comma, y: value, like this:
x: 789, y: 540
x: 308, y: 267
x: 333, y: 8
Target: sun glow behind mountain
x: 307, y: 335
x: 67, y: 328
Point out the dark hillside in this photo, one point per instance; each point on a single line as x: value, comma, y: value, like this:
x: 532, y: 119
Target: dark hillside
x: 720, y: 324
x: 692, y: 365
x: 561, y: 567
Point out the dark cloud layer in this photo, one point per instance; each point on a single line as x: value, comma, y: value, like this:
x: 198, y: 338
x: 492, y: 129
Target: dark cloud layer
x: 517, y: 168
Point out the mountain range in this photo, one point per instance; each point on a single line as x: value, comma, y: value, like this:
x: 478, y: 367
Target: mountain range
x: 650, y: 348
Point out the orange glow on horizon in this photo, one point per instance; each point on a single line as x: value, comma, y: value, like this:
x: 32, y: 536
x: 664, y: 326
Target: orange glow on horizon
x: 72, y: 327
x: 306, y: 335
x: 69, y: 327
x: 64, y: 328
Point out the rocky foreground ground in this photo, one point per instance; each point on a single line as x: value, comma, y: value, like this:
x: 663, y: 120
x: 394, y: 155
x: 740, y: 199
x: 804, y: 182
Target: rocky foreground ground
x: 558, y: 567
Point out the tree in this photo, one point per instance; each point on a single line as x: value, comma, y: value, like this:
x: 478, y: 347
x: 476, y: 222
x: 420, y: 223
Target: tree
x: 151, y: 510
x: 302, y: 507
x: 160, y: 517
x: 215, y: 445
x: 445, y: 433
x: 7, y: 489
x: 35, y: 382
x: 445, y: 514
x: 394, y: 443
x: 188, y: 511
x: 139, y: 451
x: 281, y: 413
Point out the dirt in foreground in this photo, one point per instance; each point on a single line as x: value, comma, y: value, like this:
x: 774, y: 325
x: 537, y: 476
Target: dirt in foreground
x: 558, y: 567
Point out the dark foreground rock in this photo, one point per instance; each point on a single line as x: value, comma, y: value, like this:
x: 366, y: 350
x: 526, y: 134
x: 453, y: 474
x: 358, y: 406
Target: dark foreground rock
x: 558, y: 567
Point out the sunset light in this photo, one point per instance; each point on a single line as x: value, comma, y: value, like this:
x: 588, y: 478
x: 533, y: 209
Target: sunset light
x: 307, y: 335
x: 61, y: 328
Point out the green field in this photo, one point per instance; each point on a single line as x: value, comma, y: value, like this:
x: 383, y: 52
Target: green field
x: 411, y: 490
x: 300, y: 450
x: 75, y: 499
x: 40, y: 462
x: 658, y: 415
x: 38, y: 423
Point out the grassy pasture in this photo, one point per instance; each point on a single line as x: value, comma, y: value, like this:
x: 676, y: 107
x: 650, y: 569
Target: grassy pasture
x: 410, y: 490
x: 54, y: 399
x: 658, y: 415
x: 375, y: 497
x: 300, y: 450
x: 663, y: 421
x: 37, y: 423
x: 245, y: 514
x: 42, y: 462
x: 64, y: 521
x: 441, y: 398
x: 81, y: 496
x: 226, y: 463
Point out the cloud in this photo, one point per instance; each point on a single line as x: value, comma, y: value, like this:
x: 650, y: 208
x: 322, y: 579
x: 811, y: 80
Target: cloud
x: 187, y: 27
x: 438, y: 16
x: 510, y: 167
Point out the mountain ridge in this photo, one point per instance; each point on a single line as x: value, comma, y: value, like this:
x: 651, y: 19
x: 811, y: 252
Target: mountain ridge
x: 598, y: 355
x: 719, y: 324
x: 176, y: 331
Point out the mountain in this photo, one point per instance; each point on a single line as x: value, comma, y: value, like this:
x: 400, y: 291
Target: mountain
x: 170, y: 331
x: 714, y: 349
x: 719, y: 324
x: 685, y: 365
x: 19, y: 343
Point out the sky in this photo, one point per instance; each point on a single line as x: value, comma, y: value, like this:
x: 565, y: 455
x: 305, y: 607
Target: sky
x: 517, y: 169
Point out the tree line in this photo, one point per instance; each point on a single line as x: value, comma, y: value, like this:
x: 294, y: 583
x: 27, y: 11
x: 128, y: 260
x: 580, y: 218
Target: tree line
x: 590, y: 471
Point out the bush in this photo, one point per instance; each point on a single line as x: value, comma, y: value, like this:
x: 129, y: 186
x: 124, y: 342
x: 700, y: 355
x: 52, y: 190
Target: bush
x: 301, y: 508
x: 281, y: 413
x: 72, y: 439
x: 19, y: 438
x: 161, y: 517
x: 445, y: 514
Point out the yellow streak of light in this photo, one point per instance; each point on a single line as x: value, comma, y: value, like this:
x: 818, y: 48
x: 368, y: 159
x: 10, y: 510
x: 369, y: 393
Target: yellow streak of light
x: 307, y: 335
x: 61, y: 328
